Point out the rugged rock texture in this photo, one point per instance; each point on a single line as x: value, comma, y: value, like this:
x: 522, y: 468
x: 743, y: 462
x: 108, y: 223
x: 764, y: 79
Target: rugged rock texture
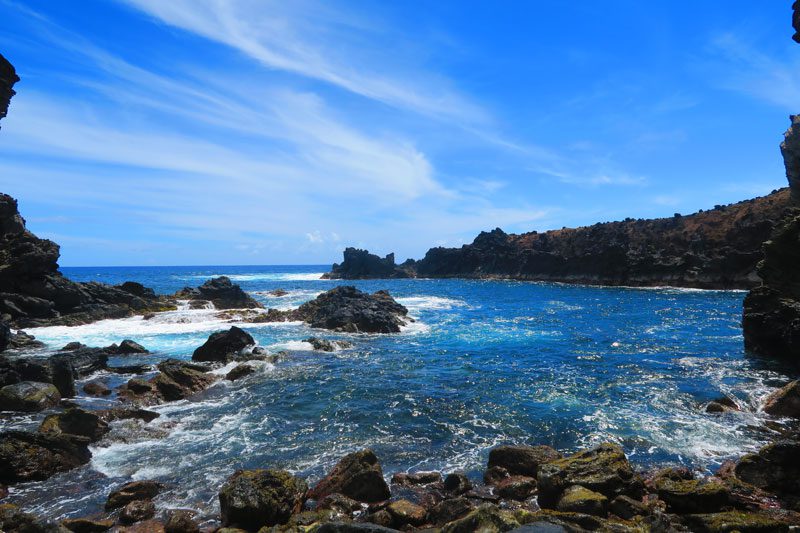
x: 796, y: 21
x: 252, y: 499
x: 223, y: 346
x: 771, y: 318
x: 357, y: 476
x: 221, y: 292
x: 775, y: 467
x: 34, y: 293
x: 715, y: 249
x: 176, y: 380
x: 360, y: 264
x: 75, y: 422
x: 346, y: 308
x: 131, y: 492
x: 8, y: 77
x: 28, y: 396
x: 36, y: 456
x: 784, y: 401
x: 522, y: 460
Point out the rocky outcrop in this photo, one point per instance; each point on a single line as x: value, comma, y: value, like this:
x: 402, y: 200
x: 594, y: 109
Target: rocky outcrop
x: 360, y: 264
x: 348, y: 309
x: 28, y: 396
x: 75, y: 422
x: 357, y: 476
x: 37, y: 456
x: 221, y: 292
x: 8, y: 77
x: 252, y: 499
x: 223, y: 346
x: 131, y: 492
x: 34, y: 293
x: 176, y: 380
x: 714, y: 249
x: 784, y: 402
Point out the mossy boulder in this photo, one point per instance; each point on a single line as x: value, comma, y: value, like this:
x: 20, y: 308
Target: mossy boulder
x: 75, y: 422
x: 775, y: 467
x: 406, y: 513
x: 29, y: 396
x: 577, y: 499
x: 485, y: 519
x: 516, y: 488
x: 743, y: 522
x: 603, y: 469
x: 690, y: 495
x: 522, y: 460
x: 358, y: 476
x: 251, y: 499
x: 449, y: 510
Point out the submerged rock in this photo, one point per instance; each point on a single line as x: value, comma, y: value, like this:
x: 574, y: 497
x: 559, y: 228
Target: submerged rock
x: 28, y: 396
x: 223, y: 346
x: 36, y: 456
x: 251, y: 499
x: 325, y: 345
x: 358, y: 476
x: 221, y: 292
x: 239, y: 371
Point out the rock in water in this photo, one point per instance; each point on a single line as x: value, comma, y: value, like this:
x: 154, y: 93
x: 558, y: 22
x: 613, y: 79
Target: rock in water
x: 75, y: 422
x: 346, y: 308
x: 133, y: 491
x: 775, y: 467
x: 35, y: 456
x: 522, y: 460
x: 223, y: 346
x: 28, y: 396
x: 222, y: 292
x: 360, y: 264
x: 251, y: 499
x: 358, y: 476
x: 176, y: 380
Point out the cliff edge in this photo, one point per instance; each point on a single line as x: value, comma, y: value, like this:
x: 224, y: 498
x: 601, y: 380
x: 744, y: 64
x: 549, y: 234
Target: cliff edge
x: 8, y: 77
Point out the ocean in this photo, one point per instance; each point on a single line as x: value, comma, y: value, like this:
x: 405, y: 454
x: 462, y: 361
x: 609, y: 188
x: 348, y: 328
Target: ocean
x: 485, y: 363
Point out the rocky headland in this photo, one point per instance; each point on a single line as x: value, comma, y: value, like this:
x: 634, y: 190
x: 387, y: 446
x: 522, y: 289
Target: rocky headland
x: 715, y: 249
x: 8, y: 77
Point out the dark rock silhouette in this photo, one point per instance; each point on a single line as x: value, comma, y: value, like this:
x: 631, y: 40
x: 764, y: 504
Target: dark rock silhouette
x: 221, y: 292
x: 8, y: 77
x: 360, y: 264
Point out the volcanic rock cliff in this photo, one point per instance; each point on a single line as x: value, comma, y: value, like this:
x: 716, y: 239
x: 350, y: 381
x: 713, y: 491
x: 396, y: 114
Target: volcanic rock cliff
x: 715, y: 249
x: 8, y: 77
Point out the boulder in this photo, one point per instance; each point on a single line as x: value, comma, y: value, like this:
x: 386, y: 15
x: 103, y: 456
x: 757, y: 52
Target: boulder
x: 251, y: 499
x: 129, y: 347
x: 137, y: 511
x: 133, y: 491
x: 5, y: 335
x: 28, y: 396
x: 176, y: 380
x: 735, y: 521
x: 360, y: 264
x: 96, y: 388
x: 14, y: 520
x: 325, y: 345
x: 222, y: 292
x: 722, y: 404
x: 87, y: 525
x: 339, y: 503
x: 627, y: 508
x: 518, y: 488
x: 348, y: 309
x: 406, y: 513
x: 416, y: 478
x: 775, y: 467
x: 485, y: 519
x: 239, y: 371
x: 785, y: 402
x: 126, y: 413
x: 690, y: 495
x: 75, y: 422
x: 358, y: 476
x: 603, y: 469
x: 181, y: 521
x: 577, y: 499
x: 223, y: 346
x: 522, y: 460
x: 28, y: 456
x: 449, y: 510
x: 457, y: 483
x: 494, y: 475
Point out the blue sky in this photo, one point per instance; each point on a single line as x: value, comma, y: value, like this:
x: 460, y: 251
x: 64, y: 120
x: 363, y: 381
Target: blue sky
x: 257, y: 132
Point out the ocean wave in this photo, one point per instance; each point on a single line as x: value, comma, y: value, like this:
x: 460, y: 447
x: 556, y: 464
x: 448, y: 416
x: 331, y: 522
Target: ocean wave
x: 417, y: 303
x: 256, y: 276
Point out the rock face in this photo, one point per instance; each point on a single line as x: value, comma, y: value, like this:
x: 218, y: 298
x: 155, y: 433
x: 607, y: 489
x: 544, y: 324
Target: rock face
x: 251, y: 499
x: 358, y: 476
x: 223, y: 346
x: 346, y: 308
x: 75, y: 422
x: 717, y: 249
x: 775, y: 467
x: 221, y: 292
x: 8, y: 77
x: 771, y: 318
x: 785, y: 401
x: 522, y: 460
x: 34, y: 293
x: 37, y: 456
x: 28, y: 396
x: 360, y: 264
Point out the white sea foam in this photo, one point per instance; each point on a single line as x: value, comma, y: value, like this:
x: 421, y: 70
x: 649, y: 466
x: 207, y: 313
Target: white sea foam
x: 416, y: 303
x: 274, y: 276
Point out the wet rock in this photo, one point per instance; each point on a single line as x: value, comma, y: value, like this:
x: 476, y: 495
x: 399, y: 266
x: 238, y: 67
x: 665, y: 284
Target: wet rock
x: 28, y: 396
x: 417, y: 478
x: 252, y: 499
x: 137, y: 511
x: 775, y: 467
x: 71, y: 346
x: 339, y: 503
x: 325, y: 345
x: 346, y: 308
x: 223, y: 346
x: 494, y: 475
x: 785, y: 402
x: 522, y: 460
x: 626, y: 507
x: 278, y: 292
x: 689, y: 495
x: 406, y: 513
x: 14, y: 520
x: 133, y: 491
x: 147, y: 526
x: 75, y: 422
x: 449, y: 510
x: 722, y: 404
x: 577, y: 499
x: 518, y: 488
x: 139, y: 386
x: 28, y: 456
x: 381, y: 517
x: 358, y: 476
x: 239, y: 371
x: 603, y: 469
x: 87, y: 525
x: 125, y: 413
x: 5, y: 335
x: 222, y: 292
x: 735, y: 521
x: 181, y: 521
x: 486, y: 519
x: 457, y: 483
x: 176, y: 380
x: 342, y: 527
x: 130, y: 369
x: 127, y: 347
x: 96, y: 388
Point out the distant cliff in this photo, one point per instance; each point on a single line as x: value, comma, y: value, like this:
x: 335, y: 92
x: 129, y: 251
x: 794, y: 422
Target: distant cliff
x: 714, y: 249
x: 8, y: 77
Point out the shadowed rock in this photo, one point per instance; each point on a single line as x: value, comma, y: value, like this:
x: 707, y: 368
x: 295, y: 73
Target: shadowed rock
x: 221, y: 292
x: 357, y: 476
x: 36, y: 456
x: 223, y: 346
x: 252, y: 499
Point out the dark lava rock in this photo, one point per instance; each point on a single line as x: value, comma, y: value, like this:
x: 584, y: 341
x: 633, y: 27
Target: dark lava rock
x: 96, y: 388
x: 785, y: 402
x: 775, y: 467
x: 325, y: 345
x: 239, y: 371
x: 522, y: 460
x: 130, y: 369
x: 28, y: 396
x: 35, y: 456
x: 14, y: 520
x: 127, y: 347
x: 518, y: 488
x: 133, y: 491
x: 136, y: 511
x: 75, y: 422
x: 457, y: 483
x: 223, y: 346
x: 690, y: 495
x: 360, y: 264
x: 181, y: 521
x: 125, y: 413
x: 358, y: 476
x: 87, y: 525
x: 449, y: 510
x: 251, y: 499
x: 8, y: 77
x: 494, y: 475
x: 577, y: 499
x: 603, y: 469
x: 416, y: 478
x: 5, y: 335
x: 339, y: 503
x: 176, y: 380
x: 223, y: 293
x: 346, y: 308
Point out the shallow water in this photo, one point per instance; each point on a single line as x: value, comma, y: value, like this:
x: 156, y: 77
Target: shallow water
x: 486, y: 362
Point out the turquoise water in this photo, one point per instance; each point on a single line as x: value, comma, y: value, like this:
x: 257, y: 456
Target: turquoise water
x: 485, y: 363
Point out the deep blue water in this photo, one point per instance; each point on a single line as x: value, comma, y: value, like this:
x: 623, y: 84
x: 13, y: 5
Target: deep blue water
x: 486, y: 362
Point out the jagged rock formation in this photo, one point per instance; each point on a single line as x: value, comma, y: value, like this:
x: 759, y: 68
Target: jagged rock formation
x: 34, y: 293
x: 796, y: 21
x: 221, y: 292
x: 8, y: 77
x: 715, y: 249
